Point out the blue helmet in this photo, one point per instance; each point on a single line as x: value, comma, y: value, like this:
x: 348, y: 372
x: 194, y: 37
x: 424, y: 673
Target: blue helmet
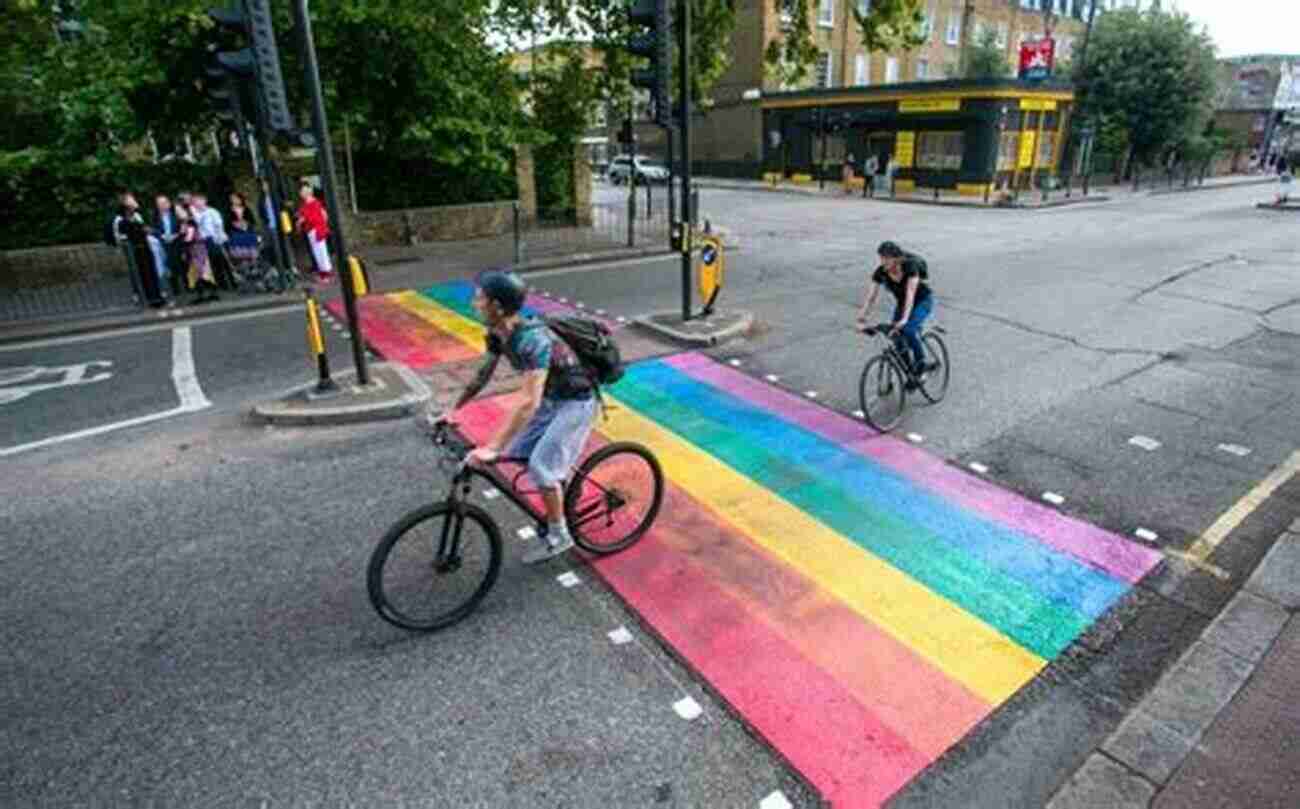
x: 505, y: 288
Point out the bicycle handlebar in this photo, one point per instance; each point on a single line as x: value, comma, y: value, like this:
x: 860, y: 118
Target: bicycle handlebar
x: 879, y: 328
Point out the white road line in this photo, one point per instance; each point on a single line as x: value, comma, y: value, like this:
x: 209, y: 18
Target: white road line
x: 777, y: 800
x: 527, y: 532
x: 1145, y: 442
x: 1053, y: 498
x: 1235, y: 449
x: 620, y: 636
x: 108, y: 334
x: 979, y: 467
x: 687, y: 708
x: 811, y: 394
x: 734, y: 363
x: 772, y: 378
x: 187, y: 388
x: 1145, y: 534
x: 568, y: 579
x: 915, y: 438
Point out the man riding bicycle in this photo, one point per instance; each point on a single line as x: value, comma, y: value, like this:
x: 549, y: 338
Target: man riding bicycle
x: 904, y: 275
x: 551, y: 425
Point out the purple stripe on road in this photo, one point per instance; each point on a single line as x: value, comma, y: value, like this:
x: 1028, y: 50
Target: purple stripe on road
x: 1106, y: 551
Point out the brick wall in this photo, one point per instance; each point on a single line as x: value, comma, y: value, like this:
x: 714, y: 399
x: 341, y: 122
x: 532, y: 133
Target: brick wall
x: 54, y: 266
x: 443, y: 223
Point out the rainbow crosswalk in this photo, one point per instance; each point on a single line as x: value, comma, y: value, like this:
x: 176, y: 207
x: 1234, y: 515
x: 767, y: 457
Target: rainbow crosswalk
x: 431, y: 327
x: 860, y: 602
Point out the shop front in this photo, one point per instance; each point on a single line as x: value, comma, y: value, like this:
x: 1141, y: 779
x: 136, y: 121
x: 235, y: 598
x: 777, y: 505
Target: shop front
x: 963, y: 136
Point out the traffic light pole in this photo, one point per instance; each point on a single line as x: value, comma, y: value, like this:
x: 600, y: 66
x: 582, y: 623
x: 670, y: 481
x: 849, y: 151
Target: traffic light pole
x: 688, y: 211
x: 302, y: 21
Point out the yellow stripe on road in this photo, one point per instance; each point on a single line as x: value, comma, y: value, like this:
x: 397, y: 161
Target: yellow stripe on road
x: 469, y: 332
x: 1201, y: 550
x: 957, y: 643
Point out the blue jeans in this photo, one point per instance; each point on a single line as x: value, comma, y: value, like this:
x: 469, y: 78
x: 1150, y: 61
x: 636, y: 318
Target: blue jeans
x: 911, y: 331
x: 553, y: 439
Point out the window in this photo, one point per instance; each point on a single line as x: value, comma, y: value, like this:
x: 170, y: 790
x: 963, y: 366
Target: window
x: 954, y: 28
x: 826, y: 13
x: 939, y: 150
x: 860, y: 69
x: 1009, y: 151
x: 1046, y: 149
x: 891, y: 70
x: 824, y: 66
x: 922, y: 69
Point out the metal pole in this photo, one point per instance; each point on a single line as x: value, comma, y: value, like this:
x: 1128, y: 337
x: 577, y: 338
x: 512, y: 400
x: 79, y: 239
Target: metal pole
x: 302, y: 21
x: 352, y: 177
x: 631, y: 181
x: 672, y: 175
x: 821, y: 170
x: 688, y: 216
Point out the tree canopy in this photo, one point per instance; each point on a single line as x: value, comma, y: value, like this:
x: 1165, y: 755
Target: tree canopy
x: 888, y: 25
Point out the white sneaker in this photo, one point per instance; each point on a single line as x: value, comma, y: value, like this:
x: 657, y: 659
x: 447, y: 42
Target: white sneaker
x: 548, y: 548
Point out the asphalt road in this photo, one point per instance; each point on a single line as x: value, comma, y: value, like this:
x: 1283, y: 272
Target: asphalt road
x: 184, y: 599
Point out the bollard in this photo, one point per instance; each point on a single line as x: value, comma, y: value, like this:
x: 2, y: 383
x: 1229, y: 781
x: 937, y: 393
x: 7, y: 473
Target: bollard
x: 648, y: 200
x: 316, y: 344
x: 360, y: 282
x: 519, y: 253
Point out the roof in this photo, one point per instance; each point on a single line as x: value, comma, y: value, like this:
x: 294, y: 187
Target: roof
x: 951, y: 88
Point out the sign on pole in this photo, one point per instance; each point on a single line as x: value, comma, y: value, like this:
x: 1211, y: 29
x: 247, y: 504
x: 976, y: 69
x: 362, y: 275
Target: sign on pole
x: 1037, y: 59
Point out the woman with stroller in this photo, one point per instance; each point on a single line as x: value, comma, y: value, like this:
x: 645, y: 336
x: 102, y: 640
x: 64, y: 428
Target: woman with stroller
x: 244, y: 247
x: 199, y: 274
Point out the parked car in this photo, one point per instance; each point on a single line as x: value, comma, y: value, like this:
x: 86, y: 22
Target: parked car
x: 646, y: 170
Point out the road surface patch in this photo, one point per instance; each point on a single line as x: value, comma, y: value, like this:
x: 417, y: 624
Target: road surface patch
x: 861, y: 603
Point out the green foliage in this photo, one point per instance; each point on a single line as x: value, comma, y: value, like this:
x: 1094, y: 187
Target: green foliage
x: 985, y: 60
x: 50, y: 201
x: 563, y: 98
x: 888, y: 25
x: 1152, y: 74
x: 388, y: 182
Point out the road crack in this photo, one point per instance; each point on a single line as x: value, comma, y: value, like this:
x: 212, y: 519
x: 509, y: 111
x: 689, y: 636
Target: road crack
x: 1111, y: 351
x: 1181, y: 274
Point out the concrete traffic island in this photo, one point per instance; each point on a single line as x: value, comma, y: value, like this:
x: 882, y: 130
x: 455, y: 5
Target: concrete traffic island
x: 394, y: 392
x: 698, y: 331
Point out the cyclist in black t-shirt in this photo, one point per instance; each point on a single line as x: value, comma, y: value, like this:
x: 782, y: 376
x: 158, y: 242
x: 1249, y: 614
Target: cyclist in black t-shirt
x: 904, y: 274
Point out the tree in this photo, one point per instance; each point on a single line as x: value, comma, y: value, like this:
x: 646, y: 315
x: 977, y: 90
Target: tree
x: 563, y: 97
x: 888, y: 25
x: 985, y: 59
x: 1150, y: 73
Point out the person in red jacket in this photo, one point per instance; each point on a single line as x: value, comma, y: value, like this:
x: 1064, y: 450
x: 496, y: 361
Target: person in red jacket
x: 313, y: 221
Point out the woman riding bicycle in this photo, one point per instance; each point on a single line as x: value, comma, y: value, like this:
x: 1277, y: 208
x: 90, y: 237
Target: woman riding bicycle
x: 904, y: 274
x: 551, y: 425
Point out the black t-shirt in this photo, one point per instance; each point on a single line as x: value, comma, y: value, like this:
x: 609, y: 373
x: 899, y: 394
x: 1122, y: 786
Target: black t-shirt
x: 912, y: 267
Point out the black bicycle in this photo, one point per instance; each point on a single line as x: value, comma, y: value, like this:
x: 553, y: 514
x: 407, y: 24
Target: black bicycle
x: 888, y: 376
x: 434, y: 565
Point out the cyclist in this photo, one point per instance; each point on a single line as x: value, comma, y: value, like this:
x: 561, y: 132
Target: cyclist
x: 551, y: 425
x: 904, y: 274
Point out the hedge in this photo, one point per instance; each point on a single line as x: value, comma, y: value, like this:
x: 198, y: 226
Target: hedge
x: 388, y: 183
x: 53, y: 202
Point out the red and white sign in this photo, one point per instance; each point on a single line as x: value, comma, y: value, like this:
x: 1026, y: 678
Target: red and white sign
x: 1037, y: 59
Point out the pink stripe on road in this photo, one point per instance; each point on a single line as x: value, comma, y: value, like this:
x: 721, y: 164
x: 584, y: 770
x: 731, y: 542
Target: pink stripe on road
x: 1106, y: 551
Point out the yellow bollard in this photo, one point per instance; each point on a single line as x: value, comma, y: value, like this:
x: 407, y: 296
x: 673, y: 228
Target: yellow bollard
x: 286, y: 224
x: 316, y: 344
x: 359, y: 287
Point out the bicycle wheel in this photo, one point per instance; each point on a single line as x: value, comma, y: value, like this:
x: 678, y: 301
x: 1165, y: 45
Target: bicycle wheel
x: 614, y: 497
x: 433, y: 567
x: 881, y: 394
x: 934, y: 385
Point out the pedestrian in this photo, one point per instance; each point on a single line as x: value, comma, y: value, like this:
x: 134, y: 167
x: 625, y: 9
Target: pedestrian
x: 313, y: 222
x: 167, y: 229
x: 198, y: 273
x: 1284, y: 177
x: 869, y: 172
x: 244, y: 241
x: 213, y: 230
x: 132, y: 236
x: 846, y: 173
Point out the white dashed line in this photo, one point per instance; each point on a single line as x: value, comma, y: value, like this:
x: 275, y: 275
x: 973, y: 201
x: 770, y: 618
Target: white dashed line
x: 772, y: 378
x: 687, y: 708
x: 1149, y: 536
x: 734, y: 363
x: 527, y: 532
x: 859, y: 414
x: 1144, y: 442
x: 811, y: 394
x: 915, y: 438
x: 1235, y: 449
x: 568, y: 579
x: 491, y: 494
x: 581, y: 305
x: 622, y: 319
x: 1053, y: 498
x: 777, y: 800
x: 620, y: 636
x: 978, y: 467
x: 600, y: 311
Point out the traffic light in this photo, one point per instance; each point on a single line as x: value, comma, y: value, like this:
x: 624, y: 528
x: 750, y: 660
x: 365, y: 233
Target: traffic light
x: 652, y: 29
x: 260, y: 62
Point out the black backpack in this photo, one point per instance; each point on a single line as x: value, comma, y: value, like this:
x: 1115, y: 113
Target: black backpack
x: 593, y: 344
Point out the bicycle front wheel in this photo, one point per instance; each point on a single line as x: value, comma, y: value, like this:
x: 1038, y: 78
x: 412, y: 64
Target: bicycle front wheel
x: 614, y: 498
x: 881, y: 394
x: 934, y: 384
x: 434, y: 566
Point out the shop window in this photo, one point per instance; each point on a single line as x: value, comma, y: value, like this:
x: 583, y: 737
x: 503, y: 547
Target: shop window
x: 1009, y: 151
x: 940, y: 150
x: 1046, y: 149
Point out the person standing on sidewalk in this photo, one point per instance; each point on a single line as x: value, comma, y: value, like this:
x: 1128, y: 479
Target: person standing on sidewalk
x: 213, y: 230
x: 198, y: 271
x: 869, y: 171
x: 167, y: 228
x: 313, y: 221
x: 133, y: 236
x: 846, y: 174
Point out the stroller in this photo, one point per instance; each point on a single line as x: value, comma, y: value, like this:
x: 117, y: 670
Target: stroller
x: 253, y: 271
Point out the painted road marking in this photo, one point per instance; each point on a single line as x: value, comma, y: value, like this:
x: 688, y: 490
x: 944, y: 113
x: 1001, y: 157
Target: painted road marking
x: 906, y: 597
x: 68, y: 376
x: 1147, y: 535
x: 620, y: 636
x: 1145, y: 442
x: 915, y: 438
x: 1053, y: 498
x: 294, y: 308
x: 188, y: 391
x: 777, y: 800
x: 811, y: 394
x: 527, y: 532
x: 687, y: 708
x: 568, y: 579
x: 772, y: 378
x: 734, y: 363
x: 491, y: 493
x: 979, y: 468
x: 859, y: 414
x: 1235, y: 449
x: 1198, y: 555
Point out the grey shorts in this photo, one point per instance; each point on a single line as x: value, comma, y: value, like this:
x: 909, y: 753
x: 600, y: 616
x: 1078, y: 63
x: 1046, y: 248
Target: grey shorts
x: 553, y: 439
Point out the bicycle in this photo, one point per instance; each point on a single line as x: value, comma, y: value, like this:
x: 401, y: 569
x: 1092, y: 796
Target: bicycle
x: 413, y: 565
x: 887, y: 376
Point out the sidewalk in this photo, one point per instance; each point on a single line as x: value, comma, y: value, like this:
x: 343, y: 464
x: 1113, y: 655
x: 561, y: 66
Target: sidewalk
x: 1028, y: 199
x: 1221, y: 728
x: 390, y: 269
